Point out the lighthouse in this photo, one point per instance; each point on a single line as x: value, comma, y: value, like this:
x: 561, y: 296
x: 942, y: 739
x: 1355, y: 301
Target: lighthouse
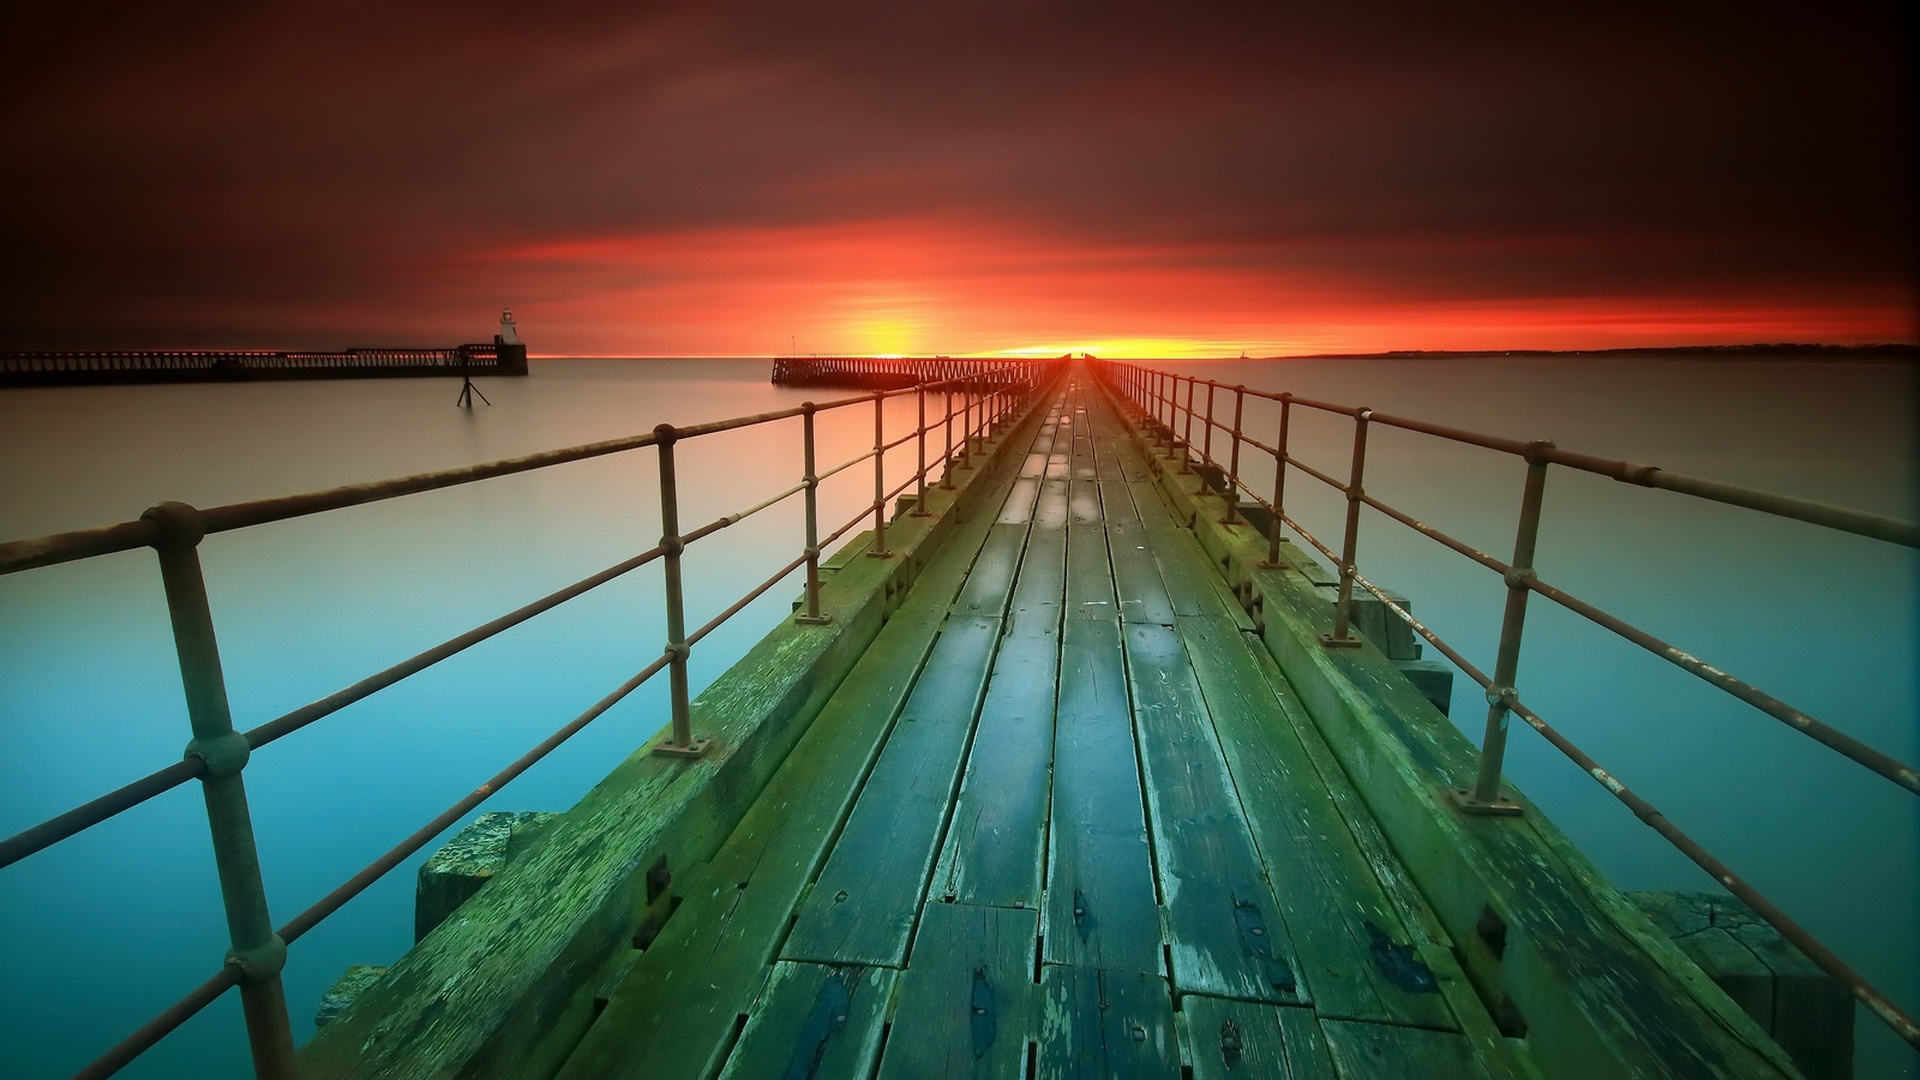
x: 510, y: 349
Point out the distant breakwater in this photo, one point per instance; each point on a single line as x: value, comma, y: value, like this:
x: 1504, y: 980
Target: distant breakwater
x: 891, y: 372
x: 107, y: 368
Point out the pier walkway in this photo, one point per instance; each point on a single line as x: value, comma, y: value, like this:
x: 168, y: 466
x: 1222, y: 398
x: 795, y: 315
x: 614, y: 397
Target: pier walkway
x: 1066, y: 817
x: 960, y: 856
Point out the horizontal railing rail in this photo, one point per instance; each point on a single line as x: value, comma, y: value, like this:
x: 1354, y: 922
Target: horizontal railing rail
x: 976, y: 404
x: 1171, y: 405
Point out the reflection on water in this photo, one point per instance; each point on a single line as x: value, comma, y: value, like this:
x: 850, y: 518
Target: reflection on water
x: 89, y: 691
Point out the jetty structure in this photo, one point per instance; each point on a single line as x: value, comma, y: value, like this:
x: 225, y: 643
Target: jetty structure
x: 1071, y: 761
x: 891, y: 372
x: 506, y: 354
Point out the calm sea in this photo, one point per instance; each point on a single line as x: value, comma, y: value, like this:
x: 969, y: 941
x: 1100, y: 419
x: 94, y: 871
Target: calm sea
x: 103, y: 931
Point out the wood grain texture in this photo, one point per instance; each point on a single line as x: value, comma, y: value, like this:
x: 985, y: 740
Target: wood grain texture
x: 966, y: 1001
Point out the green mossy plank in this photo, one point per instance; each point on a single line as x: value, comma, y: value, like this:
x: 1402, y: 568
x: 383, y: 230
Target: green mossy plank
x: 676, y: 1010
x: 1227, y: 934
x: 853, y: 915
x: 1052, y: 508
x: 1018, y: 507
x: 990, y: 582
x: 1136, y: 576
x: 1105, y: 1025
x: 994, y: 847
x: 1089, y: 574
x: 350, y: 985
x: 1354, y: 951
x: 813, y: 1020
x: 1363, y: 1051
x: 1116, y: 502
x: 1241, y: 1040
x: 1039, y: 593
x: 1083, y: 502
x: 1100, y: 905
x: 467, y: 861
x: 966, y: 1001
x: 1194, y: 584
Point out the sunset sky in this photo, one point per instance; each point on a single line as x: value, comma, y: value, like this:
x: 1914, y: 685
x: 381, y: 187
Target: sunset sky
x: 693, y: 179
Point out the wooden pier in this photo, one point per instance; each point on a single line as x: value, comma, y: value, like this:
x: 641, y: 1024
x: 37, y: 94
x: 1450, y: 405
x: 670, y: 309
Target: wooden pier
x: 1067, y: 788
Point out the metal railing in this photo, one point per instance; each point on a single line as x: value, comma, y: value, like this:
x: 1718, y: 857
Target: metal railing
x: 1156, y: 398
x: 218, y: 753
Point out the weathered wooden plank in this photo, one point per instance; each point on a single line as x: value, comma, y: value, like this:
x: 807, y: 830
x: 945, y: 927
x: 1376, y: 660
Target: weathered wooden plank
x: 1018, y: 507
x: 997, y: 840
x: 1083, y: 501
x: 853, y: 915
x: 1355, y: 954
x: 1116, y: 502
x: 1363, y: 1051
x: 1227, y: 934
x: 990, y: 582
x: 1052, y: 508
x: 676, y: 1008
x: 994, y: 847
x: 1089, y: 574
x: 966, y: 1000
x: 1136, y: 576
x: 1100, y: 1025
x: 1194, y: 585
x: 1241, y: 1040
x: 813, y: 1020
x: 1039, y: 593
x: 1100, y: 905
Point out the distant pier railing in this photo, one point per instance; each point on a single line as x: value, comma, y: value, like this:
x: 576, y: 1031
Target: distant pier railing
x: 893, y: 372
x: 105, y: 367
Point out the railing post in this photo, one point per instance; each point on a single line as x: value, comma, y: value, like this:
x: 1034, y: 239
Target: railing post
x: 1485, y: 798
x: 966, y: 426
x: 1186, y: 443
x: 681, y: 743
x: 1206, y: 433
x: 920, y: 439
x: 257, y: 951
x: 1342, y: 637
x: 1233, y: 460
x: 946, y: 470
x: 1279, y: 485
x: 812, y: 480
x: 879, y: 548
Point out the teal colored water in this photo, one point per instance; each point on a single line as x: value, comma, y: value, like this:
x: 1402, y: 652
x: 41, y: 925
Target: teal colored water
x: 114, y: 925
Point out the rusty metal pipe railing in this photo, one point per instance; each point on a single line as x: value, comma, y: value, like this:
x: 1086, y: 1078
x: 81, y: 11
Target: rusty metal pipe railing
x: 74, y: 821
x: 812, y: 553
x: 879, y: 548
x: 256, y: 951
x: 218, y: 752
x: 1485, y: 797
x: 1341, y: 637
x: 1521, y: 580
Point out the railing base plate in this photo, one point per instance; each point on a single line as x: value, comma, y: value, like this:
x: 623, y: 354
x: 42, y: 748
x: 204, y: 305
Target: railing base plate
x: 814, y: 620
x: 1331, y: 642
x: 1500, y: 807
x: 691, y: 750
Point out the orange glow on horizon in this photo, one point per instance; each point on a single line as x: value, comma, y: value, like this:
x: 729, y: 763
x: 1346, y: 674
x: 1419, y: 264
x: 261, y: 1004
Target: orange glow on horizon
x: 922, y: 287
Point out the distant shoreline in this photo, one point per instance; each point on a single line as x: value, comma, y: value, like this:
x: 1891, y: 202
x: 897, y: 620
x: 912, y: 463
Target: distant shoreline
x: 1767, y: 351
